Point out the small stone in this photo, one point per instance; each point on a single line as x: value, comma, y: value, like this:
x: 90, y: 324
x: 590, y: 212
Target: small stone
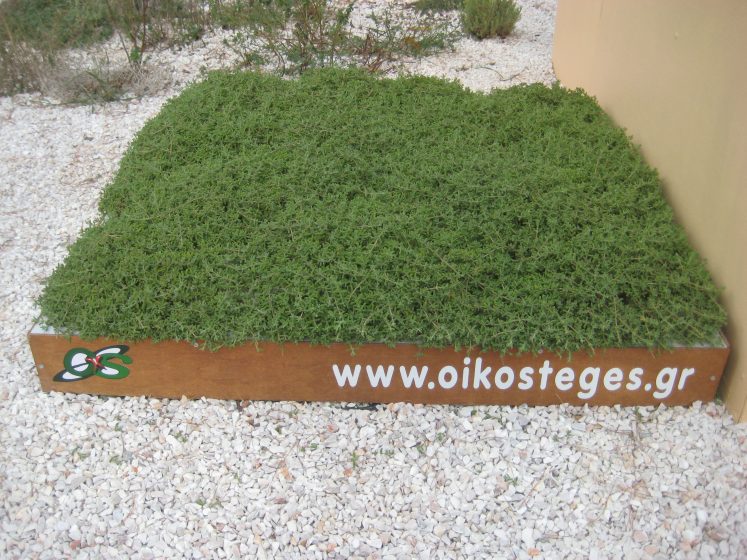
x: 702, y: 516
x: 74, y: 533
x: 527, y: 536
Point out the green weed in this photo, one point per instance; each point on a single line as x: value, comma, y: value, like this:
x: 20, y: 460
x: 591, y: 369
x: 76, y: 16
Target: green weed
x: 298, y: 36
x: 55, y: 23
x: 33, y: 34
x: 437, y: 5
x: 290, y: 35
x: 81, y: 456
x: 22, y: 67
x: 490, y: 18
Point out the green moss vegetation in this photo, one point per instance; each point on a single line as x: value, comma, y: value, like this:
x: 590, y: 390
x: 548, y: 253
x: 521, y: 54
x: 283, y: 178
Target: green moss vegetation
x: 341, y: 207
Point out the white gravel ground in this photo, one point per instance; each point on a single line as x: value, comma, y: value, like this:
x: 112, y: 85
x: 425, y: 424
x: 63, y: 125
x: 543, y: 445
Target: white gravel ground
x: 91, y: 477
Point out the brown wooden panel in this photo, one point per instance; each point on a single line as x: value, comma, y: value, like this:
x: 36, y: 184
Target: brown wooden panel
x: 304, y: 372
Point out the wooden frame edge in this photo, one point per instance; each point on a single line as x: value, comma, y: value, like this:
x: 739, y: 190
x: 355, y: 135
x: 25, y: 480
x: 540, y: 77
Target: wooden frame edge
x: 377, y: 373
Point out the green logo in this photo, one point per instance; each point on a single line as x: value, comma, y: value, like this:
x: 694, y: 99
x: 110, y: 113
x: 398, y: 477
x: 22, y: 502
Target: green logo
x: 82, y: 364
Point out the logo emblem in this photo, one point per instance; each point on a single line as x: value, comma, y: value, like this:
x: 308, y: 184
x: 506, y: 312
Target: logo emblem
x: 81, y: 363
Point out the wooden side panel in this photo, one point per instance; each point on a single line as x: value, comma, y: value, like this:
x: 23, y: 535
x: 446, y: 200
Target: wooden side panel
x: 377, y: 373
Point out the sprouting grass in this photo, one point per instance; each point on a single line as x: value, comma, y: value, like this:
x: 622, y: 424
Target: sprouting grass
x: 437, y: 5
x: 55, y: 23
x: 34, y: 33
x: 341, y: 207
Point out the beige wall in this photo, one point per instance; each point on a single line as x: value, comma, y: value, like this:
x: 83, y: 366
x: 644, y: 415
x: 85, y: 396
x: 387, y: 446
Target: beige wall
x: 674, y: 74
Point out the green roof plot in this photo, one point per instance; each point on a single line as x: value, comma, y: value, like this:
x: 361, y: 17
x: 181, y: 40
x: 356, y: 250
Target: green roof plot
x: 343, y: 207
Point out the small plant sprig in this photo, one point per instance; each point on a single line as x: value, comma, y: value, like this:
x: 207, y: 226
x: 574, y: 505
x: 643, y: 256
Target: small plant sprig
x: 490, y: 18
x: 437, y: 5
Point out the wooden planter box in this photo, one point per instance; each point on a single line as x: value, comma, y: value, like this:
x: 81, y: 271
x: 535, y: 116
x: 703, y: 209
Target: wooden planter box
x: 377, y: 373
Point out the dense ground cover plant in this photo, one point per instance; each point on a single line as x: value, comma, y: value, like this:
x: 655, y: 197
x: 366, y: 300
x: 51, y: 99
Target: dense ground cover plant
x: 341, y: 207
x: 490, y: 18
